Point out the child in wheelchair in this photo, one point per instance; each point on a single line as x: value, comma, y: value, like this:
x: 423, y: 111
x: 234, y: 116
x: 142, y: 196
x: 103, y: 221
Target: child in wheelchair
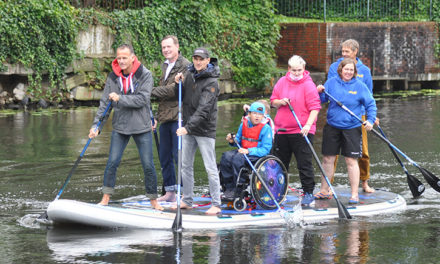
x: 255, y: 138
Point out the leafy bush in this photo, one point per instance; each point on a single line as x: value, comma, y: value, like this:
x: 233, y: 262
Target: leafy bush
x: 241, y: 31
x: 40, y: 35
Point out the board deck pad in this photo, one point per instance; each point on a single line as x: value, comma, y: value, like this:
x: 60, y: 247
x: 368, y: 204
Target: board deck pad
x: 136, y: 212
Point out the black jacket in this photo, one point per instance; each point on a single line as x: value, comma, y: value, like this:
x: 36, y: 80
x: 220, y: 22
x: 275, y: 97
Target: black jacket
x: 200, y: 92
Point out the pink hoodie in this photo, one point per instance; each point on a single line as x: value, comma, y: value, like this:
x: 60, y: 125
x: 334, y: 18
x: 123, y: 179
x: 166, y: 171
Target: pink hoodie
x: 303, y: 97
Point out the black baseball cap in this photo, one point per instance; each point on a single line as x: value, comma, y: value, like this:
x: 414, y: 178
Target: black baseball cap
x: 201, y: 52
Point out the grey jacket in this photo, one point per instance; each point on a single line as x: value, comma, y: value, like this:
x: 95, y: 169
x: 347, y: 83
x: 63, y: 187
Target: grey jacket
x: 168, y: 106
x: 132, y: 111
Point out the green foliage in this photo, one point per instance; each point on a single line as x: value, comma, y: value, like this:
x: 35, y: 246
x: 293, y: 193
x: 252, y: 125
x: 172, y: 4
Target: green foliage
x: 41, y: 36
x: 242, y: 32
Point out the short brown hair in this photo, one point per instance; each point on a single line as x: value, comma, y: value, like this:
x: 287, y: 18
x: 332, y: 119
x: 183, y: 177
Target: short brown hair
x: 174, y: 38
x: 345, y: 62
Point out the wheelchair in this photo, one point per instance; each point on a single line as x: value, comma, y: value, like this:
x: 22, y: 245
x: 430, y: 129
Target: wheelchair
x: 250, y: 190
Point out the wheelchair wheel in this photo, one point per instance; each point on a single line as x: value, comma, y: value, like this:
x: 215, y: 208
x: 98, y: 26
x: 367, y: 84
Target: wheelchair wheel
x: 240, y: 204
x: 274, y: 174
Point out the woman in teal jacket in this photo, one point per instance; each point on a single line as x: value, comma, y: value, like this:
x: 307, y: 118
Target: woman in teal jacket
x: 342, y: 134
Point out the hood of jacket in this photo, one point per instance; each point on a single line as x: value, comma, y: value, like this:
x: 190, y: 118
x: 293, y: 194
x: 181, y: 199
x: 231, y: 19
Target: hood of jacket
x: 212, y: 70
x: 126, y: 82
x: 118, y: 71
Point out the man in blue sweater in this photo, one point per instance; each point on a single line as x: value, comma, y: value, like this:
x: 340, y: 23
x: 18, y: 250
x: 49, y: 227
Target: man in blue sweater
x: 350, y: 49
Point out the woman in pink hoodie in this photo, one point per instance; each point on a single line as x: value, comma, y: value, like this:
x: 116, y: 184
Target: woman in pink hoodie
x: 297, y: 88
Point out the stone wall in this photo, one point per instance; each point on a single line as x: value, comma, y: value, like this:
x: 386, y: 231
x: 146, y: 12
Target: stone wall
x: 95, y: 46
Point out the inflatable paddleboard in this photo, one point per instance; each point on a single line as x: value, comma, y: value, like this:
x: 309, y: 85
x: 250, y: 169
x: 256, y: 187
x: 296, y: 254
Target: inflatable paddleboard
x: 137, y: 213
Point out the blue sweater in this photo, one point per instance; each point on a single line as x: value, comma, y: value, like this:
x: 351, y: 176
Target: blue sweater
x: 355, y: 95
x: 363, y: 73
x: 264, y: 140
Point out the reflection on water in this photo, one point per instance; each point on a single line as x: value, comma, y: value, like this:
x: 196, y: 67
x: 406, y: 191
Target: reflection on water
x: 38, y: 151
x: 313, y: 244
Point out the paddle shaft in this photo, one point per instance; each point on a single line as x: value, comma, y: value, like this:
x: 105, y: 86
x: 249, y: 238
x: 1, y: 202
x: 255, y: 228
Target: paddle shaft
x: 416, y: 187
x: 259, y: 177
x: 374, y: 131
x: 177, y: 224
x: 98, y: 126
x: 429, y: 177
x: 343, y: 213
x: 156, y: 139
x: 394, y: 152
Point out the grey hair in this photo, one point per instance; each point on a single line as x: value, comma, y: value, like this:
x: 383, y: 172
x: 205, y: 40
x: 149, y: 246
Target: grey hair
x: 126, y: 46
x: 296, y: 60
x: 351, y: 44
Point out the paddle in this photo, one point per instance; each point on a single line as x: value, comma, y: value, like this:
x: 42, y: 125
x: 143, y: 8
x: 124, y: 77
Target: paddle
x: 342, y: 211
x: 177, y: 224
x: 284, y: 214
x: 429, y: 177
x: 44, y: 216
x: 416, y: 186
x: 156, y: 140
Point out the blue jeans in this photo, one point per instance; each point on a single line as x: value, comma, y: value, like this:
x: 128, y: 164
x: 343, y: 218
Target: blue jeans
x: 168, y: 154
x: 230, y: 164
x: 207, y: 150
x: 144, y: 144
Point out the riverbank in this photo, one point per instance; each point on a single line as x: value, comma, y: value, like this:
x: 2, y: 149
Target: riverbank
x: 28, y: 105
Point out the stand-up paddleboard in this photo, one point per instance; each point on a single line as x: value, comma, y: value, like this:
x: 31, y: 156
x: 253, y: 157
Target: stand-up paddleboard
x: 139, y: 214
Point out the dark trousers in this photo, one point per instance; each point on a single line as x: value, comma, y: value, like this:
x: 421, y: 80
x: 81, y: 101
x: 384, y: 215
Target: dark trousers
x: 230, y: 164
x: 285, y: 145
x: 117, y: 146
x: 168, y: 154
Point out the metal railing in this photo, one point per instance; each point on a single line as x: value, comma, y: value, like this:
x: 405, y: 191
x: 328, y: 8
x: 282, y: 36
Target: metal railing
x: 110, y: 5
x: 361, y: 10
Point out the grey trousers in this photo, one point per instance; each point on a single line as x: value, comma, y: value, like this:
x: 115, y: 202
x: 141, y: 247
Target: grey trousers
x: 207, y: 150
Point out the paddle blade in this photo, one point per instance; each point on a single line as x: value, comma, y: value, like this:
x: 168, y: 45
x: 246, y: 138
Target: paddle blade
x: 44, y: 216
x: 416, y: 186
x: 177, y: 224
x: 431, y: 179
x: 343, y: 212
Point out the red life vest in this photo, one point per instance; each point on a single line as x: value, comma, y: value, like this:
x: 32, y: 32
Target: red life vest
x: 250, y: 135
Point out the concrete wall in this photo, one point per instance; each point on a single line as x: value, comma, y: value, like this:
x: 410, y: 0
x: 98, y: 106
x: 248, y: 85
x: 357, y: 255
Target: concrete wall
x: 391, y: 49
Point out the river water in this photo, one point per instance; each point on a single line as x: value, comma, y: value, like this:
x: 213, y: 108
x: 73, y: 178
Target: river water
x: 38, y: 149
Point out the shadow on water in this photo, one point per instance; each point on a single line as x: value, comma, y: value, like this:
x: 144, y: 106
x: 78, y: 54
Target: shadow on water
x: 38, y: 151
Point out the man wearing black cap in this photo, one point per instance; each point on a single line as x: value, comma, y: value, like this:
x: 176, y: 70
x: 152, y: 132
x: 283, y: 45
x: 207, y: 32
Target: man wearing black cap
x: 200, y: 93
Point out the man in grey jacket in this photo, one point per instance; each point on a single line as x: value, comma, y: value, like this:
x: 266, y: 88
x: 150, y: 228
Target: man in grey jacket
x: 129, y: 87
x: 168, y: 113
